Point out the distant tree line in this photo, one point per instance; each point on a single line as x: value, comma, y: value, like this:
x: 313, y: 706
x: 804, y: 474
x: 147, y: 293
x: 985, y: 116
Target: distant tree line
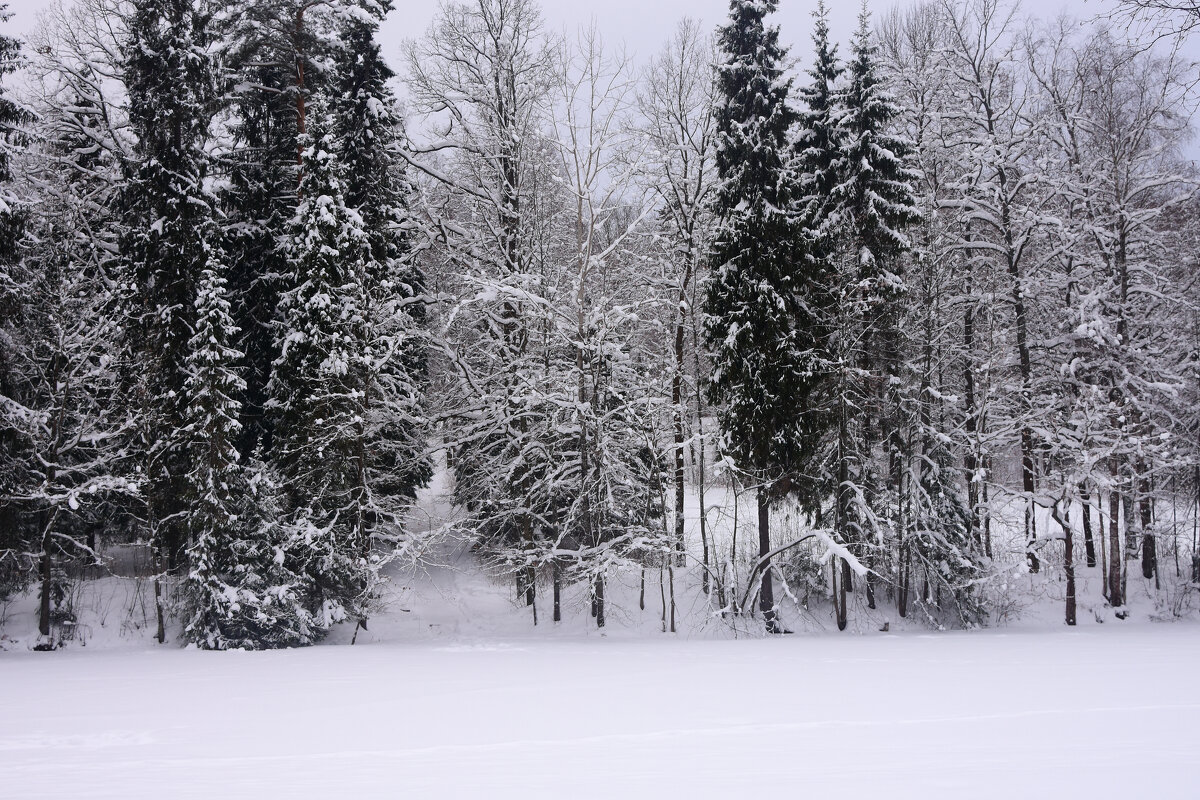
x: 248, y: 306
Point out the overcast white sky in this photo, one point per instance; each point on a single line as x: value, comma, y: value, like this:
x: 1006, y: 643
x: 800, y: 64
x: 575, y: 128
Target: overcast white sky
x: 642, y: 24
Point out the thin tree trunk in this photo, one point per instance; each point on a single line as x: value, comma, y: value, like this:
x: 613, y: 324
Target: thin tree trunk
x: 662, y: 596
x: 557, y: 591
x: 1103, y: 549
x: 671, y: 577
x: 599, y: 594
x: 705, y: 578
x: 1149, y: 543
x: 677, y: 403
x: 766, y: 592
x: 49, y: 517
x: 161, y: 633
x: 1089, y: 545
x: 1068, y: 561
x: 1026, y: 365
x: 47, y: 580
x: 987, y: 512
x: 1114, y: 544
x: 1196, y: 531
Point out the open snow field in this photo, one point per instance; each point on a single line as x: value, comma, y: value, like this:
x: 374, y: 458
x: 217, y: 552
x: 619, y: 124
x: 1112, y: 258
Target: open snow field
x: 1109, y: 711
x: 453, y: 693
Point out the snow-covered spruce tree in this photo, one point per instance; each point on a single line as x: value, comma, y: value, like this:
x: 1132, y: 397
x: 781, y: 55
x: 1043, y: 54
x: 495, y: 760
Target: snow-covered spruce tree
x: 819, y: 141
x: 764, y: 339
x: 874, y: 204
x: 17, y: 419
x: 317, y: 391
x: 168, y: 222
x: 368, y: 134
x: 276, y: 55
x: 237, y: 593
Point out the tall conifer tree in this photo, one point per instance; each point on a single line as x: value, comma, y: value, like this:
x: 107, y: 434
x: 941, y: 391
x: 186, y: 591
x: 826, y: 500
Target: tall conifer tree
x: 821, y: 135
x: 15, y: 324
x: 367, y: 137
x: 757, y: 326
x: 237, y: 593
x: 317, y: 390
x: 169, y: 227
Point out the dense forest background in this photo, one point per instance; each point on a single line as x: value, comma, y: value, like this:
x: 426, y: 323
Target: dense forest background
x: 928, y: 295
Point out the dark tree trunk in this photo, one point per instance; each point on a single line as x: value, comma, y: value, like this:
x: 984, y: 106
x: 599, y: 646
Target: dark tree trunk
x: 678, y: 424
x: 599, y: 601
x: 526, y: 584
x: 47, y: 580
x: 1149, y: 543
x: 161, y: 633
x: 766, y: 592
x: 1069, y: 563
x: 662, y: 597
x: 671, y: 577
x: 557, y: 592
x: 1089, y: 544
x: 700, y: 465
x: 1114, y: 546
x: 839, y: 593
x: 1020, y: 318
x: 987, y: 514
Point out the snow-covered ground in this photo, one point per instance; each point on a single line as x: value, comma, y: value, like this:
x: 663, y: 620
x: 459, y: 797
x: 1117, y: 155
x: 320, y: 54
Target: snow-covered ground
x: 453, y: 693
x: 1108, y: 712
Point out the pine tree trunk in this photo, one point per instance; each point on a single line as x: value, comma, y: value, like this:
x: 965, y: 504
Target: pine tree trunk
x: 161, y: 632
x: 840, y: 598
x: 843, y: 516
x: 766, y: 592
x: 47, y: 580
